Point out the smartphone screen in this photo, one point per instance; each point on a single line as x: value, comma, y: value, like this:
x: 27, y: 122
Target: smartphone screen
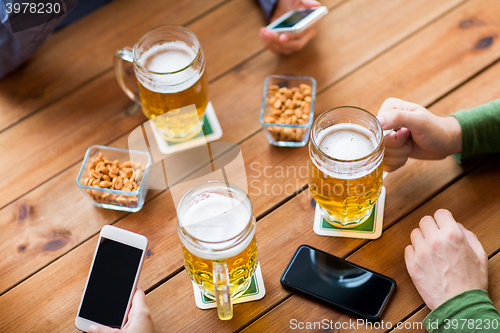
x: 293, y: 19
x: 338, y: 282
x: 110, y: 283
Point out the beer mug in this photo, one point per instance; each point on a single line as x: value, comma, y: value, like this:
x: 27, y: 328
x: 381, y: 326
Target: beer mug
x: 171, y: 84
x: 345, y: 164
x: 217, y: 231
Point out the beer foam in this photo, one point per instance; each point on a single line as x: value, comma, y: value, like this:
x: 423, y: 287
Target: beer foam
x: 167, y: 58
x: 216, y: 218
x: 347, y: 141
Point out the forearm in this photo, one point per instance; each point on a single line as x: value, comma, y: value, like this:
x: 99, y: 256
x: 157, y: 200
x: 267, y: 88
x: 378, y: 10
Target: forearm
x: 480, y: 130
x: 470, y: 311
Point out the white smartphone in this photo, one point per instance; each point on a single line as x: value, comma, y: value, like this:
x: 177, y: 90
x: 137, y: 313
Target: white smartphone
x: 297, y: 20
x: 112, y: 279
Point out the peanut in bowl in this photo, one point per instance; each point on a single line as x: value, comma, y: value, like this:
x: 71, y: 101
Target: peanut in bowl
x: 114, y: 178
x: 287, y: 109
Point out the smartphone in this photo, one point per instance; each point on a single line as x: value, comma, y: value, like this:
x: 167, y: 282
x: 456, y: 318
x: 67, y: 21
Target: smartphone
x: 338, y: 282
x: 112, y: 279
x: 297, y: 20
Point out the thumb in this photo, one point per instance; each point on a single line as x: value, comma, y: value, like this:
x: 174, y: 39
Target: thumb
x: 310, y: 3
x: 397, y: 118
x: 101, y: 329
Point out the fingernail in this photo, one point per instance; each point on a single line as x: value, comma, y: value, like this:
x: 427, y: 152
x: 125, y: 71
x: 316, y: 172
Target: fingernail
x: 381, y: 119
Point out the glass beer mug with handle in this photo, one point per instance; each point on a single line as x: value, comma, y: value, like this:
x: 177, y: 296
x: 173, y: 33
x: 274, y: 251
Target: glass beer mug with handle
x: 345, y: 164
x: 172, y: 88
x: 217, y: 231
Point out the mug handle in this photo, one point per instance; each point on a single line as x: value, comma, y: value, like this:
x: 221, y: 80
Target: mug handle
x: 222, y: 295
x: 124, y: 78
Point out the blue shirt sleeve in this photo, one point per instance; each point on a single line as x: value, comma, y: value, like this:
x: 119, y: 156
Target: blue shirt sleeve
x: 268, y: 7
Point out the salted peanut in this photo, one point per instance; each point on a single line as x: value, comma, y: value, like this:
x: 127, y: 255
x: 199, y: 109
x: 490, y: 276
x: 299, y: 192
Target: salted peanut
x: 103, y: 170
x: 126, y: 182
x: 298, y: 112
x: 304, y: 86
x: 121, y: 200
x: 308, y: 99
x: 114, y: 170
x: 134, y: 186
x: 270, y: 119
x: 122, y: 174
x: 92, y: 165
x: 298, y: 96
x: 288, y: 121
x: 288, y: 93
x: 276, y: 112
x: 94, y: 174
x: 128, y: 172
x: 301, y: 121
x: 299, y: 134
x: 106, y: 161
x: 112, y: 175
x: 106, y: 177
x: 295, y: 89
x: 126, y: 189
x: 99, y: 166
x: 118, y: 183
x: 288, y: 131
x: 305, y: 116
x: 105, y: 183
x: 294, y: 119
x: 127, y: 164
x: 282, y: 90
x: 137, y: 166
x: 132, y: 201
x: 274, y: 88
x: 105, y: 196
x: 99, y: 157
x: 277, y: 104
x: 289, y: 112
x: 282, y: 98
x: 288, y: 102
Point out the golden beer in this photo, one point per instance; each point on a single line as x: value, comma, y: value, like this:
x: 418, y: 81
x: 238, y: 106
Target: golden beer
x: 169, y: 65
x: 345, y: 165
x: 217, y: 231
x: 241, y: 267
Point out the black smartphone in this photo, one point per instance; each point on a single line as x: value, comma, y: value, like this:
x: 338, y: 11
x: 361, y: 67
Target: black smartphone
x: 338, y: 282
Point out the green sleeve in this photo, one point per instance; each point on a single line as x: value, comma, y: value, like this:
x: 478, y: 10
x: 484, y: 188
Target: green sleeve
x: 473, y: 305
x: 480, y: 130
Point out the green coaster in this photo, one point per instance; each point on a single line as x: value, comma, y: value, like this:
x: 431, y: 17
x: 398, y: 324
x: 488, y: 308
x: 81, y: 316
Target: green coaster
x: 210, y: 131
x: 255, y: 291
x: 370, y: 229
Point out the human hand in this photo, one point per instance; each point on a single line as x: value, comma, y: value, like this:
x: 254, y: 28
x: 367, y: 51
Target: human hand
x: 287, y: 43
x: 138, y: 321
x: 445, y: 259
x: 419, y: 133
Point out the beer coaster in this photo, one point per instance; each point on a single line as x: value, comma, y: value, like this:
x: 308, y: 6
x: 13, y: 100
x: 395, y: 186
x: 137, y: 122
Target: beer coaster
x: 255, y: 291
x: 210, y: 131
x: 370, y: 229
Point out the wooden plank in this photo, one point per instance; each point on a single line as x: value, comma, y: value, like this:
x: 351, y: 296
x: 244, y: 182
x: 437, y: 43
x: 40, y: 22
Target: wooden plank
x: 386, y: 255
x: 16, y: 267
x: 83, y: 50
x: 68, y: 145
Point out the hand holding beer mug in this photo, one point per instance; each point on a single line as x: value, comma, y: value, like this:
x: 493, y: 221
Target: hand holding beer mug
x: 217, y: 230
x: 172, y: 87
x: 345, y: 164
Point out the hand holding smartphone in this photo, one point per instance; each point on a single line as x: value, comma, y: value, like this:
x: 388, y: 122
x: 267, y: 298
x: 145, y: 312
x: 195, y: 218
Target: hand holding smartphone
x: 297, y: 20
x: 338, y: 282
x: 112, y: 279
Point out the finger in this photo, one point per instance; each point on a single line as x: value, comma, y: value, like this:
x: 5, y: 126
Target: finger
x: 409, y: 256
x: 269, y: 40
x: 395, y: 140
x: 310, y: 3
x: 428, y: 226
x: 444, y: 219
x: 417, y: 239
x: 474, y: 242
x: 298, y: 44
x: 395, y: 161
x: 391, y: 168
x: 101, y: 329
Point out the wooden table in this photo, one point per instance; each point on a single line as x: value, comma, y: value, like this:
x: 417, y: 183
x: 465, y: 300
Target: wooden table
x: 441, y: 54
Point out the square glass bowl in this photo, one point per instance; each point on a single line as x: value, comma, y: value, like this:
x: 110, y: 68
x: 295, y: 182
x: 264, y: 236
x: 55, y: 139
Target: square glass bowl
x: 129, y: 201
x: 283, y: 134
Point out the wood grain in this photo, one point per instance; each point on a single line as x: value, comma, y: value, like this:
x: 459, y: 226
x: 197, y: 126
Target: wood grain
x: 84, y: 50
x: 386, y: 255
x: 83, y: 129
